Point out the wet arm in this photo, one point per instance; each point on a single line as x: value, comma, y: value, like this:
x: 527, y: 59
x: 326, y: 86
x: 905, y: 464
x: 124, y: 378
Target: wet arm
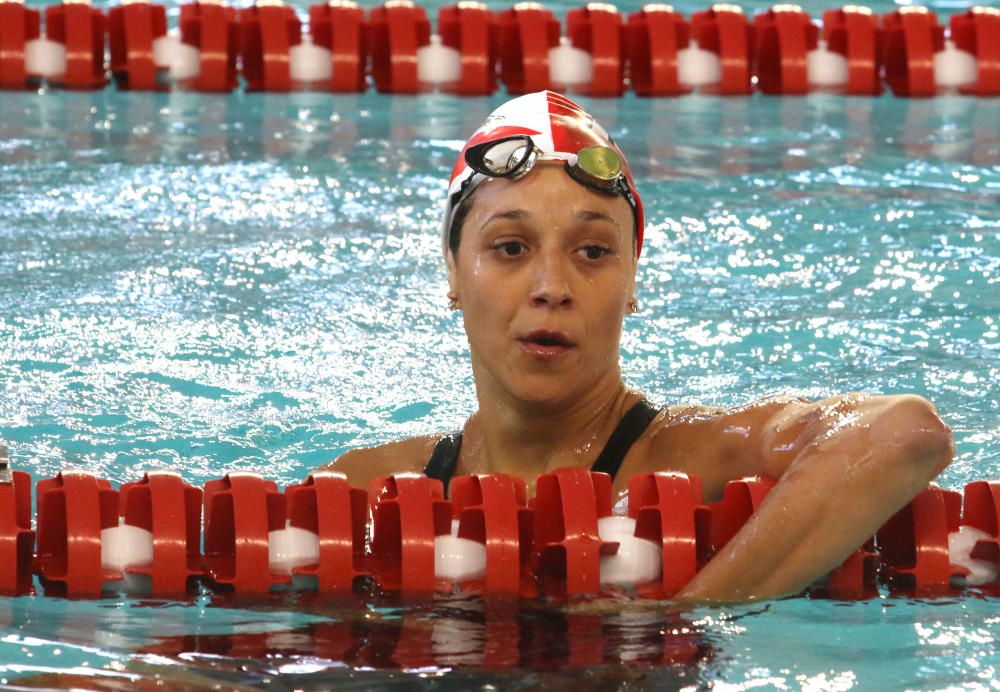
x: 845, y: 466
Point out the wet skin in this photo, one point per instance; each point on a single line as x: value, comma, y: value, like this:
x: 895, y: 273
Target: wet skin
x: 544, y: 275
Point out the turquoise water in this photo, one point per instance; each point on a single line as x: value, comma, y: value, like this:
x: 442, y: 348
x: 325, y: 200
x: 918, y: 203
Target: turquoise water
x: 253, y: 282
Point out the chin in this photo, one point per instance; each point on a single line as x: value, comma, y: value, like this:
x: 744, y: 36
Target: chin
x: 546, y: 392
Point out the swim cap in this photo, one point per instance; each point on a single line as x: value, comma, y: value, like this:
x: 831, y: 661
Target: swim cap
x: 557, y: 126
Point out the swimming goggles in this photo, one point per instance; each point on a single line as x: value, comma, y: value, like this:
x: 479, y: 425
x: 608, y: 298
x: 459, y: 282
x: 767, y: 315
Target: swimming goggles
x: 597, y: 167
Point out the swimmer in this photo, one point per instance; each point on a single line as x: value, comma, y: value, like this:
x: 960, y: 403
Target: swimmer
x: 542, y: 236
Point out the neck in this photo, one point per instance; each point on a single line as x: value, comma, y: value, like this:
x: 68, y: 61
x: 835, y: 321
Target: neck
x: 526, y: 439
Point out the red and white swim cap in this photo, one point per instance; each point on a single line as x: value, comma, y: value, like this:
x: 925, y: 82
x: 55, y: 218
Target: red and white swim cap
x: 559, y: 127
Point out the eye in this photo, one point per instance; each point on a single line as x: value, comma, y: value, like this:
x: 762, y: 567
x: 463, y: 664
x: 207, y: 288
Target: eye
x: 595, y: 252
x: 509, y: 248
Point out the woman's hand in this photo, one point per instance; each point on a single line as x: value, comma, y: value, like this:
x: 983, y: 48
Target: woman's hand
x: 845, y: 465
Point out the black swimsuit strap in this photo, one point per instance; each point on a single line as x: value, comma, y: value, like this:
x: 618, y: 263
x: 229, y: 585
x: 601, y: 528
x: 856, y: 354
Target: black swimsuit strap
x: 630, y: 428
x: 444, y: 459
x: 633, y: 424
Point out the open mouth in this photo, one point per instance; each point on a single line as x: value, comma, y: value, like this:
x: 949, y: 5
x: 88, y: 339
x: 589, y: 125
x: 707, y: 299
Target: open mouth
x: 546, y: 344
x: 549, y: 341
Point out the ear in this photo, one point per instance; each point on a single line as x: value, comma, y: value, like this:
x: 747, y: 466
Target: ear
x: 449, y: 259
x: 631, y: 282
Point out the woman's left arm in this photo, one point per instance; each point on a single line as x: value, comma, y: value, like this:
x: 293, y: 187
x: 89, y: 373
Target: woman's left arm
x: 845, y: 466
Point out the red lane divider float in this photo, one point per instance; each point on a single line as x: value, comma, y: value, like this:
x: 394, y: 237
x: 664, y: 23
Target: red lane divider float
x: 720, y: 50
x: 654, y: 37
x: 852, y: 33
x: 167, y: 512
x: 911, y: 37
x: 212, y: 33
x: 667, y: 510
x: 241, y: 510
x: 785, y: 36
x: 398, y: 29
x: 597, y: 29
x: 81, y: 30
x: 408, y: 513
x: 568, y: 546
x: 528, y: 32
x: 724, y: 30
x: 73, y: 510
x: 913, y: 544
x: 270, y: 30
x: 977, y: 32
x: 132, y: 29
x: 17, y: 540
x: 327, y: 507
x: 340, y: 28
x: 488, y: 537
x: 18, y: 26
x: 472, y: 31
x: 492, y: 510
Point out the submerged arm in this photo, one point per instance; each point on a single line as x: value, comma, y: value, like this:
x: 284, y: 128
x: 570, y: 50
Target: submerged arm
x: 845, y: 466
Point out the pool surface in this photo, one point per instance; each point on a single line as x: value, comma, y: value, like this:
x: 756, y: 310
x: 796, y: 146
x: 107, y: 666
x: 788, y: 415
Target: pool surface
x: 254, y: 282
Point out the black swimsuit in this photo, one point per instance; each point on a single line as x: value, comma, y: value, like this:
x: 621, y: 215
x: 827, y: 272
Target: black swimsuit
x: 444, y: 458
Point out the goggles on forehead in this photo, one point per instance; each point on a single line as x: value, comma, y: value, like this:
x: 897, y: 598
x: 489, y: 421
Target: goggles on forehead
x: 597, y: 167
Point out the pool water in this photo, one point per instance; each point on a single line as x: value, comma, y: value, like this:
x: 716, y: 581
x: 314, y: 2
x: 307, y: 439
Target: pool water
x: 254, y: 282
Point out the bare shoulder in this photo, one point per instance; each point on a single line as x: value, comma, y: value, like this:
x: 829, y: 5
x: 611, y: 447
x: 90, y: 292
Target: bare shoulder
x: 714, y: 443
x: 367, y: 463
x: 696, y: 421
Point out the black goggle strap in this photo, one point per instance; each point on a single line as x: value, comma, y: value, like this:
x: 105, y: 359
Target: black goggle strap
x: 614, y: 186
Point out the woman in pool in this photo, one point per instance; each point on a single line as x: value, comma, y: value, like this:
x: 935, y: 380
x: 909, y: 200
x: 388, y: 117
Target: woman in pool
x: 543, y: 233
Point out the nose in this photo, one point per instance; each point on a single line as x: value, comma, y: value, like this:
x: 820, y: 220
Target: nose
x: 551, y: 286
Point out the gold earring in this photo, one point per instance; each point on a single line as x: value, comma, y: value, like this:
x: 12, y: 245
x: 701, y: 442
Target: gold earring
x: 633, y: 305
x: 453, y: 303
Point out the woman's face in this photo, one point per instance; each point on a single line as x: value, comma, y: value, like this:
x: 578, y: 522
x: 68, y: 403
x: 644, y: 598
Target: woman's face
x: 544, y: 274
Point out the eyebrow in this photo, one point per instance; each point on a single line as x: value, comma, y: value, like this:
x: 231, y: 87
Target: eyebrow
x: 522, y: 214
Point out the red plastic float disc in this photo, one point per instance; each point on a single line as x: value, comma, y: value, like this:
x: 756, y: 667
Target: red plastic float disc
x: 132, y: 28
x: 492, y: 509
x: 527, y: 32
x: 340, y: 27
x: 214, y: 31
x: 598, y: 30
x: 910, y: 37
x: 740, y: 499
x: 240, y: 510
x: 784, y: 36
x: 81, y: 29
x: 666, y: 507
x: 472, y: 29
x: 72, y: 510
x: 914, y: 542
x: 653, y: 36
x: 852, y: 32
x: 978, y: 32
x: 163, y: 504
x: 982, y: 511
x: 270, y: 29
x: 408, y: 512
x: 329, y: 507
x: 18, y: 25
x: 17, y: 540
x: 724, y: 30
x: 855, y: 577
x: 397, y: 29
x: 568, y: 547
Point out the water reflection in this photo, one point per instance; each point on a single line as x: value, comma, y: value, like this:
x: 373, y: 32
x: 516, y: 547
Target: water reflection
x: 697, y: 136
x: 464, y: 631
x: 180, y: 643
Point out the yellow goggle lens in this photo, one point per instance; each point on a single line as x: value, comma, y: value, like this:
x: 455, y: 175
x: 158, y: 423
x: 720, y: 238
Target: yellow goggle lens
x: 601, y: 162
